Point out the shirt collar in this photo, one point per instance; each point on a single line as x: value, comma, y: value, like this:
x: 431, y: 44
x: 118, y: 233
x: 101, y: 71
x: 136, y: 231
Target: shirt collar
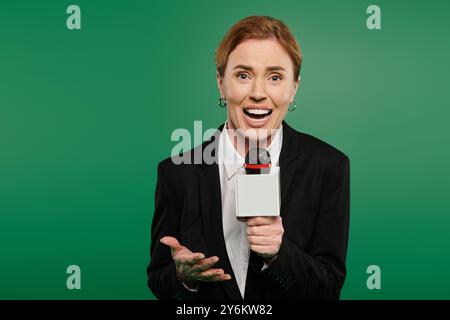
x: 233, y: 161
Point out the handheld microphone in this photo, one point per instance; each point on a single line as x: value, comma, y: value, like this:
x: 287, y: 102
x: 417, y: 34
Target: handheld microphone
x: 258, y: 191
x: 257, y: 161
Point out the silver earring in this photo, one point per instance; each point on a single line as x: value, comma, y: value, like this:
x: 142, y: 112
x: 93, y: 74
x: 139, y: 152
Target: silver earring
x: 292, y: 106
x: 222, y: 102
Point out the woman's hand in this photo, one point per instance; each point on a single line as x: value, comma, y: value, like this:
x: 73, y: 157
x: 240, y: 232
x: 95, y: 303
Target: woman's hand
x: 193, y: 267
x: 265, y: 235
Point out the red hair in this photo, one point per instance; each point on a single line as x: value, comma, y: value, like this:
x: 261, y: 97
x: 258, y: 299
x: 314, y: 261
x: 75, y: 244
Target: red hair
x: 259, y: 28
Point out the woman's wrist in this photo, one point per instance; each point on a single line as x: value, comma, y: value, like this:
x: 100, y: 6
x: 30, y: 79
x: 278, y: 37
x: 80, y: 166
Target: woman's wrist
x: 190, y: 284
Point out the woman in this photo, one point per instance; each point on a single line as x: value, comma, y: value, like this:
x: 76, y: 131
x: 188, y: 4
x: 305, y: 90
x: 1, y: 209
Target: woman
x: 199, y: 249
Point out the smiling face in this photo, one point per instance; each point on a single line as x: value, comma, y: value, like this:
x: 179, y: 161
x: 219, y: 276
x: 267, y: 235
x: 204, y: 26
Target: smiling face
x: 258, y: 85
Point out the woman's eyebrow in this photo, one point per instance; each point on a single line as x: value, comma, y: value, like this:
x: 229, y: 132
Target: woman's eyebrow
x: 275, y: 68
x: 249, y: 68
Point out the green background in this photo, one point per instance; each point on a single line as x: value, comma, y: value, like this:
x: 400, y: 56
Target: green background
x: 86, y: 115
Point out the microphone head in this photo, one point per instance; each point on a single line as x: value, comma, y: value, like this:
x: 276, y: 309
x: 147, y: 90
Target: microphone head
x: 257, y: 161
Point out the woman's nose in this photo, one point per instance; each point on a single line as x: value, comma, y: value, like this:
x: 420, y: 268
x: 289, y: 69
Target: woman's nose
x: 257, y: 92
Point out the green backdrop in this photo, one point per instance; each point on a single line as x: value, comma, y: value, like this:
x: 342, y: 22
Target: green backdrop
x: 86, y: 115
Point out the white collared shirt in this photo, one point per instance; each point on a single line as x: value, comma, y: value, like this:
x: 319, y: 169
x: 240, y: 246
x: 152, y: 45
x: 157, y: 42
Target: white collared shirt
x: 231, y: 163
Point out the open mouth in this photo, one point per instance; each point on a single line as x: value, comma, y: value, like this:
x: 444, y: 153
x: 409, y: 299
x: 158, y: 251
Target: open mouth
x: 257, y: 114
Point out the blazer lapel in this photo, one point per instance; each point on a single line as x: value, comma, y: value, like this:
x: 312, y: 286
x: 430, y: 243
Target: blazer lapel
x: 289, y: 152
x: 211, y: 210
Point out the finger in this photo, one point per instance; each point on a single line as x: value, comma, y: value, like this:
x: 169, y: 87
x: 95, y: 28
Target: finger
x: 260, y: 240
x: 172, y: 243
x: 214, y: 276
x: 195, y: 256
x: 187, y: 258
x: 260, y: 221
x: 211, y: 273
x: 224, y: 277
x: 262, y: 249
x: 258, y: 230
x: 205, y: 264
x: 199, y: 257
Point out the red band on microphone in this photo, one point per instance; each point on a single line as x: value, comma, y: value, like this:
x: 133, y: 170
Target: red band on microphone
x: 257, y: 166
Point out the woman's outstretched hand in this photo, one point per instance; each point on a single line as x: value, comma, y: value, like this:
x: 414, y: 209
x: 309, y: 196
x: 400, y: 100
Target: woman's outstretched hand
x: 193, y: 267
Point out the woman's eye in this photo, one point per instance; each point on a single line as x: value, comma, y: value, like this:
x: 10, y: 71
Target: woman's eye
x: 275, y: 78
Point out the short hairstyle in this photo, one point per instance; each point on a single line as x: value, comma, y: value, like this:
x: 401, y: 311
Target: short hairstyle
x: 259, y: 28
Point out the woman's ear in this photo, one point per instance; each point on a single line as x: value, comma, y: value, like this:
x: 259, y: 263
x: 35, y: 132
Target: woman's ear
x: 220, y: 84
x: 296, y: 85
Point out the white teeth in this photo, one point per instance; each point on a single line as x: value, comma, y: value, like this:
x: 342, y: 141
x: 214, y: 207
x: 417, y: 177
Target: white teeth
x: 258, y: 111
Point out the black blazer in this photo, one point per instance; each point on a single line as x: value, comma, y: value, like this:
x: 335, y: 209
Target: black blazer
x: 315, y: 208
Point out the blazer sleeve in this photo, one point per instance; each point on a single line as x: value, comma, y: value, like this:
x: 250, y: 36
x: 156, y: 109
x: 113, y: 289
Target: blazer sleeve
x: 161, y: 271
x: 320, y: 272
